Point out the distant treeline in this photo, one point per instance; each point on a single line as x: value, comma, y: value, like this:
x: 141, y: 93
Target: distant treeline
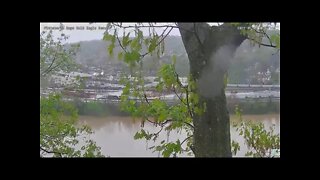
x: 97, y: 108
x: 255, y: 107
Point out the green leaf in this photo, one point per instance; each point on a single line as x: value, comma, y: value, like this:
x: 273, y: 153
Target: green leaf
x: 126, y: 90
x: 167, y: 152
x: 125, y: 40
x: 158, y: 52
x: 159, y: 87
x: 153, y: 44
x: 110, y: 49
x: 159, y: 148
x: 140, y: 34
x: 178, y: 146
x: 132, y: 56
x: 135, y: 45
x: 107, y: 37
x: 174, y: 59
x: 275, y: 39
x: 120, y: 55
x: 140, y: 135
x: 147, y: 41
x: 162, y: 116
x: 226, y: 79
x: 162, y: 47
x: 137, y: 136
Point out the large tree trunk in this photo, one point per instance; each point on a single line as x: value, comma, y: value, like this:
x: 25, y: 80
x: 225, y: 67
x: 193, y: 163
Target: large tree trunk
x: 210, y: 50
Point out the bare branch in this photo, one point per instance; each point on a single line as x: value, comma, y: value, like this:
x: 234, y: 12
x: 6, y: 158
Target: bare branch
x: 263, y: 33
x: 164, y: 31
x: 53, y: 60
x: 53, y: 68
x: 145, y: 97
x: 186, y: 89
x: 157, y: 133
x: 167, y: 121
x: 186, y: 139
x: 144, y: 26
x: 48, y: 69
x: 262, y: 44
x: 121, y: 45
x: 51, y: 152
x: 266, y: 35
x: 150, y: 25
x: 174, y: 90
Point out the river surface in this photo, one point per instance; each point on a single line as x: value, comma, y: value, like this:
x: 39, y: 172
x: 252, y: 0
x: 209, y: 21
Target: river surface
x: 114, y: 134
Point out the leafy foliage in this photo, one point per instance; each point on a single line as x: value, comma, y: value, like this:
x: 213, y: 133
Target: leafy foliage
x: 259, y: 33
x: 260, y: 141
x: 235, y: 147
x: 54, y: 56
x: 156, y: 111
x: 58, y: 134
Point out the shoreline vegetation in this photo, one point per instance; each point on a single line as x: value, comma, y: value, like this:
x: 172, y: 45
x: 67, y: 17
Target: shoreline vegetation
x: 102, y: 109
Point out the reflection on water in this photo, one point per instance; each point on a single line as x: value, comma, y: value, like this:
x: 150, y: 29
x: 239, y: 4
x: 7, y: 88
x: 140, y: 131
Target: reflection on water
x: 115, y: 134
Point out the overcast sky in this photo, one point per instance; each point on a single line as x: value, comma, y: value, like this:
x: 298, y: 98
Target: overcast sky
x: 92, y: 32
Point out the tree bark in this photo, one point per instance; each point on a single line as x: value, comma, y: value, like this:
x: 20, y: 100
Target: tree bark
x: 210, y: 50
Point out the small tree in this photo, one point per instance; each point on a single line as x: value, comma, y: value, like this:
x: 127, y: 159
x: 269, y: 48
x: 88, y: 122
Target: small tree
x: 59, y: 136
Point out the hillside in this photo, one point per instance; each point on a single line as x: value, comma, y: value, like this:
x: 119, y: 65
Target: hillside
x: 251, y: 64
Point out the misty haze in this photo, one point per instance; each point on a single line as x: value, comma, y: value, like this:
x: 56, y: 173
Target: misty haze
x: 160, y: 89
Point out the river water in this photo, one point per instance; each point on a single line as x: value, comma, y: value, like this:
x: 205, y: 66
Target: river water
x: 114, y: 134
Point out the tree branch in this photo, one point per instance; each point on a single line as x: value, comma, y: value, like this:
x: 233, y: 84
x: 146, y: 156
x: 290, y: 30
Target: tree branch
x: 263, y: 33
x: 53, y: 60
x: 43, y: 72
x: 167, y: 121
x: 186, y: 89
x: 121, y: 45
x: 145, y: 97
x: 158, y: 42
x: 186, y: 139
x: 51, y: 152
x: 53, y: 68
x: 157, y: 133
x: 163, y: 37
x: 262, y: 44
x: 144, y: 26
x: 164, y: 31
x: 174, y: 90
